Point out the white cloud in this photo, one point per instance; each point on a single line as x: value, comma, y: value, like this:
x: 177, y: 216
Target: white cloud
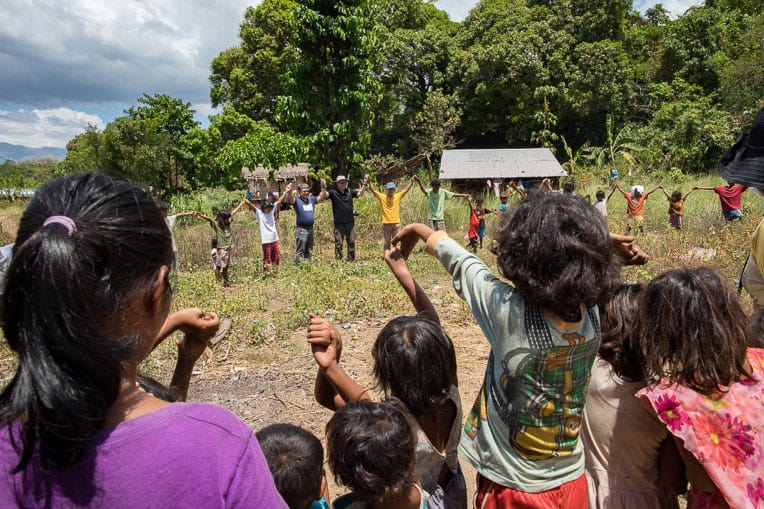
x: 44, y: 128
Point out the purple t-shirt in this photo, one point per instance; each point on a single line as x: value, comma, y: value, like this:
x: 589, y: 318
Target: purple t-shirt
x: 182, y: 455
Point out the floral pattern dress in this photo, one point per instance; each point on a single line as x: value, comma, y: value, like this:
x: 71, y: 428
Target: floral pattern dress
x: 725, y: 434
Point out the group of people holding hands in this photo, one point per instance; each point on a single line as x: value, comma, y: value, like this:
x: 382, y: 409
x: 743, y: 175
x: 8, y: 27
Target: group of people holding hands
x: 596, y: 393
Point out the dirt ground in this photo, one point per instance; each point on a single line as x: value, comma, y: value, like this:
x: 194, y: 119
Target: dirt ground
x: 282, y: 391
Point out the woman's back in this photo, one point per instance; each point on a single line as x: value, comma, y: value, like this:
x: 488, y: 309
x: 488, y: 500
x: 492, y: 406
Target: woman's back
x: 192, y: 455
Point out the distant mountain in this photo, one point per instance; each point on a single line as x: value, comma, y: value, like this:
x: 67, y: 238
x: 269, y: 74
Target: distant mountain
x: 20, y: 152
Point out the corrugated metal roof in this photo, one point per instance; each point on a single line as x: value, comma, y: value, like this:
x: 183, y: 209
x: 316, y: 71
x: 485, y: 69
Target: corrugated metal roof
x: 288, y: 171
x: 507, y: 163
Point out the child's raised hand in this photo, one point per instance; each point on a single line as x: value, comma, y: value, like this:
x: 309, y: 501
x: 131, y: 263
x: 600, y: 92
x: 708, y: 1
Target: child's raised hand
x: 395, y: 260
x: 325, y: 341
x: 405, y: 239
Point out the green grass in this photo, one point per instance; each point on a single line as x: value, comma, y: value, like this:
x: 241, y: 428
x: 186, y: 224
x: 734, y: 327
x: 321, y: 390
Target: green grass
x: 267, y: 310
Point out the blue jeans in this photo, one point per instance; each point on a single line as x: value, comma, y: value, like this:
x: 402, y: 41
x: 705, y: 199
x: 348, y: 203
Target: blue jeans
x: 303, y: 239
x: 732, y: 215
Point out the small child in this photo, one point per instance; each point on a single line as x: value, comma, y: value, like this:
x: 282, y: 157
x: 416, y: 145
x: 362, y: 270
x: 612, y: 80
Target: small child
x: 622, y: 441
x: 296, y: 460
x: 522, y: 433
x: 503, y: 203
x: 406, y: 345
x: 371, y: 451
x: 707, y: 384
x: 222, y: 227
x: 676, y: 207
x: 601, y: 203
x: 635, y: 205
x: 269, y: 235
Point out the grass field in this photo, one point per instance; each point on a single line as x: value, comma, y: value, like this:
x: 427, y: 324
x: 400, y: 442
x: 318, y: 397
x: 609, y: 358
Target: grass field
x: 267, y: 310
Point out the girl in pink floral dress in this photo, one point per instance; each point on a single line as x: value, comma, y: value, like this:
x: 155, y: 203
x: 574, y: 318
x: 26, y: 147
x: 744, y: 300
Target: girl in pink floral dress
x: 708, y: 385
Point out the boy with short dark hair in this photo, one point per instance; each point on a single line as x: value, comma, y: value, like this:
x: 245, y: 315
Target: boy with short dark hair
x: 295, y: 458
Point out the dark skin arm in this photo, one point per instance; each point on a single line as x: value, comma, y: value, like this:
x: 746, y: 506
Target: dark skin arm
x: 416, y: 294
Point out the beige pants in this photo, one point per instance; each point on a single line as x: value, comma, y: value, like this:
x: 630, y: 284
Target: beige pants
x: 389, y: 231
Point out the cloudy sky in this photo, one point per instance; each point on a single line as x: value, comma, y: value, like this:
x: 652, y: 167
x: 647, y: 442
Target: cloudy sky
x: 69, y: 63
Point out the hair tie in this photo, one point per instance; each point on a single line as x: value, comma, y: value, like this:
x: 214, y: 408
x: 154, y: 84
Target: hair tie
x: 63, y: 221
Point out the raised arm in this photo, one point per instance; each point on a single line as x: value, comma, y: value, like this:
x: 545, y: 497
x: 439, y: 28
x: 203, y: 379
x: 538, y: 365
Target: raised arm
x: 333, y: 387
x: 689, y: 193
x: 418, y: 181
x: 361, y: 190
x: 397, y: 263
x: 518, y: 190
x: 184, y: 214
x: 287, y: 191
x: 651, y: 191
x: 324, y: 193
x: 368, y: 182
x: 409, y: 235
x: 238, y: 207
x: 411, y: 183
x: 668, y: 196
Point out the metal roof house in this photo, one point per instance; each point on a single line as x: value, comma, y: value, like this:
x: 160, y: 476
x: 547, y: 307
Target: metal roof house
x: 506, y: 164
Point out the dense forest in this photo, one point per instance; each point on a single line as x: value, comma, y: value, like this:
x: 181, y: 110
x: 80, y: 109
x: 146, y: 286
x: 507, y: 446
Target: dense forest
x: 354, y: 85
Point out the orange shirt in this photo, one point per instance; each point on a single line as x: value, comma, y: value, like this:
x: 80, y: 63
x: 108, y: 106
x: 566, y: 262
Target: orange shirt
x: 634, y: 206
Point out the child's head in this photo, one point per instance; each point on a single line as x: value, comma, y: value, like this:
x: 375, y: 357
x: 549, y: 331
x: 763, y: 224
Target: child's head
x: 503, y: 198
x: 569, y: 187
x: 295, y: 458
x: 267, y: 206
x: 214, y: 243
x: 617, y: 319
x: 556, y: 250
x: 87, y: 286
x: 414, y: 361
x: 676, y: 196
x: 478, y: 201
x: 224, y: 217
x: 636, y: 191
x: 692, y: 330
x: 371, y: 450
x: 600, y: 195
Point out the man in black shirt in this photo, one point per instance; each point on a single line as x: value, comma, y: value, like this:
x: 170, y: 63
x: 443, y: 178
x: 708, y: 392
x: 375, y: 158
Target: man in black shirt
x: 344, y: 220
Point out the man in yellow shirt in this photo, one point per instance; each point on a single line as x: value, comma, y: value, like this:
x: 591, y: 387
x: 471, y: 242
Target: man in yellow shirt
x: 391, y: 207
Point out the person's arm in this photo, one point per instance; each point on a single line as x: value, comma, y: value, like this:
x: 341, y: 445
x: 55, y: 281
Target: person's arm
x: 420, y: 185
x: 184, y: 214
x: 611, y: 193
x: 361, y: 190
x: 546, y: 183
x: 625, y: 247
x: 238, y: 207
x: 409, y: 235
x: 519, y: 190
x: 668, y: 196
x: 333, y: 388
x: 671, y: 469
x: 324, y: 193
x: 422, y: 304
x: 703, y: 188
x: 408, y: 187
x: 197, y: 328
x: 369, y: 183
x: 202, y: 216
x: 652, y: 191
x: 287, y: 191
x: 688, y: 193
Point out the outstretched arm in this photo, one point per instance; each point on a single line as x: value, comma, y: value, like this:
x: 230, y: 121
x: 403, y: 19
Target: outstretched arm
x: 184, y: 214
x: 408, y: 186
x: 546, y: 183
x: 361, y: 190
x: 651, y: 191
x: 668, y: 196
x: 202, y: 216
x: 238, y: 207
x: 419, y: 299
x: 518, y: 190
x: 702, y: 188
x: 689, y: 193
x: 611, y: 193
x: 333, y: 388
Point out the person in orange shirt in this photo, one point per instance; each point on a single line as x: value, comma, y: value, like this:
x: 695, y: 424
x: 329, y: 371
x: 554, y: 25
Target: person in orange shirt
x: 635, y: 204
x: 391, y: 207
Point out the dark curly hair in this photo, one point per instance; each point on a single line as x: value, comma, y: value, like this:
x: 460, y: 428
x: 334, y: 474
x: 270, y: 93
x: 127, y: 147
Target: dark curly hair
x: 414, y: 361
x: 617, y: 319
x: 371, y: 449
x: 692, y: 330
x: 556, y: 250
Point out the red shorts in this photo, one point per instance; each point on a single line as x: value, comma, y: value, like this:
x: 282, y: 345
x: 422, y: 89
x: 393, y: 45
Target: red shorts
x: 571, y: 495
x: 271, y: 254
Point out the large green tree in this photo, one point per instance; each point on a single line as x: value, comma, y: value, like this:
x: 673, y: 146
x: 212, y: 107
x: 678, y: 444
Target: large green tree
x: 331, y: 92
x: 248, y: 77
